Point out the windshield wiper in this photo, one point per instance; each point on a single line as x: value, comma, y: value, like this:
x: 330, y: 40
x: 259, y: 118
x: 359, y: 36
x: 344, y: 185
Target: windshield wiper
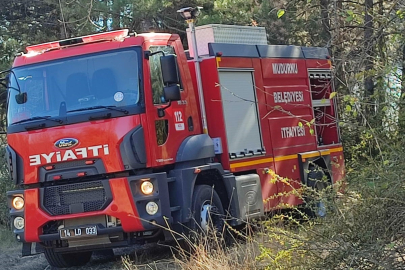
x: 39, y: 118
x: 113, y: 108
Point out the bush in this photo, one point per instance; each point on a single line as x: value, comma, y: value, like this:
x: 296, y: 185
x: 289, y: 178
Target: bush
x: 367, y: 228
x: 5, y: 185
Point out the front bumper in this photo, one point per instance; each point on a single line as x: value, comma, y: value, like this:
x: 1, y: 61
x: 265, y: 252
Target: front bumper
x: 127, y: 204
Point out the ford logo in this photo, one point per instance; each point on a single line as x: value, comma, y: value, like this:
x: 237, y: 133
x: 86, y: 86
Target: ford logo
x: 66, y: 143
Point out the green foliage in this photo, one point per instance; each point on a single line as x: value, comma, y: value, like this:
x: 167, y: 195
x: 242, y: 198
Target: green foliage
x: 7, y: 239
x: 280, y: 13
x: 5, y: 185
x: 367, y: 231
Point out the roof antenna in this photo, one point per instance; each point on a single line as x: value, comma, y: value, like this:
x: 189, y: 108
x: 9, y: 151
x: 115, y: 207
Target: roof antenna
x: 190, y: 14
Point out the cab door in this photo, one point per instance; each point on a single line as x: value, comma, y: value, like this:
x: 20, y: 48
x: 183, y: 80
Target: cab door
x: 167, y: 121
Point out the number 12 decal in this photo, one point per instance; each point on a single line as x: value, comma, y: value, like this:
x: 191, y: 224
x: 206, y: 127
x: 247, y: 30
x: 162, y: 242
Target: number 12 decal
x: 178, y: 115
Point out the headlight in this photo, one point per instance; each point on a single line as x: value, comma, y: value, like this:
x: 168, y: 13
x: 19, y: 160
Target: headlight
x: 152, y: 208
x: 146, y: 187
x: 18, y: 202
x: 19, y: 223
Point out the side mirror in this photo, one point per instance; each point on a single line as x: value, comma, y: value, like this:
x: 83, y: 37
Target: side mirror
x: 147, y: 54
x: 21, y: 98
x: 168, y: 64
x: 172, y: 92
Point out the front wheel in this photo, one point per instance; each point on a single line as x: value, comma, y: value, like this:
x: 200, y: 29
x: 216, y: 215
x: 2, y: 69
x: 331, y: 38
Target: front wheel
x: 207, y: 210
x: 63, y: 260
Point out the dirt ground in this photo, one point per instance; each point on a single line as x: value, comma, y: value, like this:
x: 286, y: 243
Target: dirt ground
x: 141, y: 257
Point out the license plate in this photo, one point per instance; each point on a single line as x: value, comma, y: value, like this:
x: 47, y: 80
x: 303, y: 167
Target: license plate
x: 78, y: 231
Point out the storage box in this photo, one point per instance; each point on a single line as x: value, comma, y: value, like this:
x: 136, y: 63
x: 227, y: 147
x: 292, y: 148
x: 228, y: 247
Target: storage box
x: 221, y: 33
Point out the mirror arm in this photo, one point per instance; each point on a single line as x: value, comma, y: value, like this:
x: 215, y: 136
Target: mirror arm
x: 161, y: 111
x: 16, y: 89
x: 15, y: 78
x: 6, y: 86
x: 4, y: 71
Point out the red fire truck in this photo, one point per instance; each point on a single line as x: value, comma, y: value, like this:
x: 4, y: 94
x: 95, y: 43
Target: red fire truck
x: 114, y: 137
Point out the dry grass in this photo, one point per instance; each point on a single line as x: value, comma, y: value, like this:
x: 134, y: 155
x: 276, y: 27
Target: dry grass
x: 208, y: 252
x: 278, y: 244
x: 207, y: 255
x: 362, y: 232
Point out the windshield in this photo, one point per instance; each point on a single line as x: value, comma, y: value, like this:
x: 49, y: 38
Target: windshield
x: 96, y: 80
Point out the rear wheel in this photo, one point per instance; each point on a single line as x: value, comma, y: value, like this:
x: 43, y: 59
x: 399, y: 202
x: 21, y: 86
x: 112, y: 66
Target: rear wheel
x: 317, y: 201
x: 63, y: 260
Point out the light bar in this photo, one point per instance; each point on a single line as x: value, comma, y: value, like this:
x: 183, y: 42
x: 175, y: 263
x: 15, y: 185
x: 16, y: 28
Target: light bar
x: 113, y: 35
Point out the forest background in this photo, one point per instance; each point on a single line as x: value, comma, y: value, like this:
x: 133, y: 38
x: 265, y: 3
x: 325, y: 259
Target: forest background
x: 366, y: 40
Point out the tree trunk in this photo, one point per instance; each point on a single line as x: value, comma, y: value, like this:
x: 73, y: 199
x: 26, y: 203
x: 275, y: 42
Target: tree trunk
x: 370, y: 109
x: 63, y: 29
x: 337, y: 48
x: 401, y: 113
x: 116, y: 15
x: 326, y: 23
x: 382, y: 61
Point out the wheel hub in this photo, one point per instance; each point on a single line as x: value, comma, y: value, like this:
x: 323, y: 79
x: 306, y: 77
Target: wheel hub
x: 205, y: 216
x: 321, y: 209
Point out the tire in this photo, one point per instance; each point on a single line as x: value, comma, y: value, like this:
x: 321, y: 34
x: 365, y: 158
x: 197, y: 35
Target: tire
x: 64, y: 260
x: 317, y: 201
x: 207, y: 211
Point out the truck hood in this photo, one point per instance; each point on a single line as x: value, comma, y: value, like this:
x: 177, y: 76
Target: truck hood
x: 100, y: 139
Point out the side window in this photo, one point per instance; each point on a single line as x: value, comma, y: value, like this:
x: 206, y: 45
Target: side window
x: 156, y: 72
x: 35, y: 88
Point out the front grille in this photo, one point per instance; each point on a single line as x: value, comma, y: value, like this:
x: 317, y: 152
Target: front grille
x: 82, y: 197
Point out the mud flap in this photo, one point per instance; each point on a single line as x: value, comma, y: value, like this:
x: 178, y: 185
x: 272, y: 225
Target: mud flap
x: 29, y: 249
